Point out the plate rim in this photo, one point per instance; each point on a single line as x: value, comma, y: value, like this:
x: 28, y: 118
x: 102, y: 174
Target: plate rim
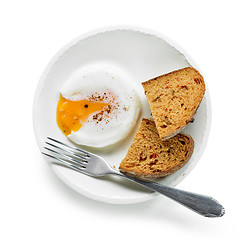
x: 103, y: 30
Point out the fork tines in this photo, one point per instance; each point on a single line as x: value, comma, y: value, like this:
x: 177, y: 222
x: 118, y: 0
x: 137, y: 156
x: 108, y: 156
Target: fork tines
x: 68, y: 155
x: 87, y: 154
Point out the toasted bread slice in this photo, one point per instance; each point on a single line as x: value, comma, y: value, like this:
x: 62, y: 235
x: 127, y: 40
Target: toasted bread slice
x: 150, y: 157
x: 173, y: 99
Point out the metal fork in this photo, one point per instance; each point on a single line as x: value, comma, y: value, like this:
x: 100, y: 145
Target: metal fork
x: 93, y: 165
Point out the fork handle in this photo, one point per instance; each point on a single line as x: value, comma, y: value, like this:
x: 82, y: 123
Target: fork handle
x: 201, y: 204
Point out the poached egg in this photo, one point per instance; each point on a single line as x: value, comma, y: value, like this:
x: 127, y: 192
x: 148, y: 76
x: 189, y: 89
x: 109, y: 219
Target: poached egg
x: 97, y: 108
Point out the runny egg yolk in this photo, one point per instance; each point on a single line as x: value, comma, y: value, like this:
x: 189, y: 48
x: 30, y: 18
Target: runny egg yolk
x: 72, y: 114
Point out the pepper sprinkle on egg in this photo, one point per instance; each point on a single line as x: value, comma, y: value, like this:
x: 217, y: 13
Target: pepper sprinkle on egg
x: 71, y: 115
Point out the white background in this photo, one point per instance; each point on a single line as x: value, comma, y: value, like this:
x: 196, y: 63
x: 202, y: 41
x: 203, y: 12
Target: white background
x: 34, y: 202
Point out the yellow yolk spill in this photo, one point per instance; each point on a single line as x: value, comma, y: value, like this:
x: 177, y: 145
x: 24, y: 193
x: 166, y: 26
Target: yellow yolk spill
x: 72, y: 114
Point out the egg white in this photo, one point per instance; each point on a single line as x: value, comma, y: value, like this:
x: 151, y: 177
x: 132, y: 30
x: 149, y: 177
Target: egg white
x: 119, y: 122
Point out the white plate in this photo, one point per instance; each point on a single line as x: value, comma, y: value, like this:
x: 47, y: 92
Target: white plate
x: 138, y: 54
